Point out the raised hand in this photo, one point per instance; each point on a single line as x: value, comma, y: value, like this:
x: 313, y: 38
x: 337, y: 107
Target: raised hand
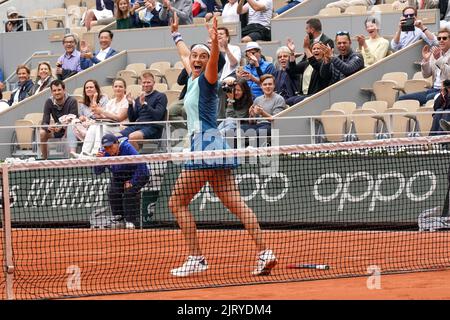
x: 306, y: 42
x: 212, y: 30
x: 142, y: 98
x: 129, y: 98
x: 426, y: 52
x: 361, y: 41
x: 437, y: 52
x: 174, y: 23
x: 290, y: 44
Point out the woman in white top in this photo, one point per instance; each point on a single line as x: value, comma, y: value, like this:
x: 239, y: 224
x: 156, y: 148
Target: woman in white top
x: 229, y: 12
x: 375, y: 47
x: 116, y: 110
x: 44, y: 77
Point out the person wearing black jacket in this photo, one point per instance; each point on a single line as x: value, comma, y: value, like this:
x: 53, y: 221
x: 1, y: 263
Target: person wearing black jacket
x: 441, y: 124
x: 15, y: 21
x: 346, y: 63
x: 311, y: 81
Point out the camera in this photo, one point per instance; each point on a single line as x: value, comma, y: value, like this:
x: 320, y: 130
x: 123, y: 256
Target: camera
x: 408, y: 24
x: 141, y: 3
x: 227, y: 88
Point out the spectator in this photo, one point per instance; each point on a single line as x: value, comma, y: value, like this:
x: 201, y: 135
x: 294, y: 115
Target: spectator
x: 69, y: 63
x: 232, y: 55
x: 102, y: 14
x: 125, y: 15
x: 126, y: 181
x: 255, y: 68
x: 435, y: 63
x: 259, y: 16
x: 264, y: 108
x: 403, y: 39
x: 25, y: 86
x: 58, y: 105
x: 440, y: 123
x: 346, y: 63
x: 229, y: 12
x: 344, y: 4
x: 44, y: 77
x: 183, y: 8
x: 114, y: 112
x: 290, y: 4
x: 376, y: 47
x: 88, y: 58
x: 309, y: 70
x: 149, y: 15
x: 151, y: 105
x: 239, y: 101
x: 285, y: 82
x: 313, y: 30
x: 418, y: 4
x: 15, y: 21
x: 2, y: 78
x: 444, y: 9
x: 3, y: 103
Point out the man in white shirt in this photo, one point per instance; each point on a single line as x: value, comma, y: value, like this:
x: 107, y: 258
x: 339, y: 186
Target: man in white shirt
x: 89, y: 58
x: 259, y: 17
x: 232, y: 55
x: 435, y: 63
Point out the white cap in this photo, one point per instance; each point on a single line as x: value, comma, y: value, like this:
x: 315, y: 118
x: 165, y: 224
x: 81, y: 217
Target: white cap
x: 252, y: 45
x: 11, y: 10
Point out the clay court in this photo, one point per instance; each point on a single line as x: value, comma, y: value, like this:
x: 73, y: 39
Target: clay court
x: 111, y: 261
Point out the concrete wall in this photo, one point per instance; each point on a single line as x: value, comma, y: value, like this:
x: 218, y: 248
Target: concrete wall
x: 99, y: 72
x: 306, y: 8
x: 345, y: 90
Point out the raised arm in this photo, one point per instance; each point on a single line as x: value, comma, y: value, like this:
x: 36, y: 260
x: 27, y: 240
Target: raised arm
x: 211, y: 72
x: 183, y: 50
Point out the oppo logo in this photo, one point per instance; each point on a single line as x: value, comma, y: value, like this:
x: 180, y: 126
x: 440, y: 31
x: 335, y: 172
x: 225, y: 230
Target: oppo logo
x: 373, y: 189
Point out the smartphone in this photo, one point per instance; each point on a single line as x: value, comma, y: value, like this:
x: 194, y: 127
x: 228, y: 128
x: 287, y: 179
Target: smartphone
x: 408, y: 24
x: 141, y: 3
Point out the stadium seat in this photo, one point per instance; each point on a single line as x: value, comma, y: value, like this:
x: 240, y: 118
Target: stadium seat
x: 330, y: 12
x: 347, y: 107
x: 365, y: 124
x: 410, y: 105
x: 356, y: 10
x: 199, y: 20
x: 161, y: 87
x: 378, y: 106
x: 430, y: 103
x: 33, y: 74
x: 36, y: 20
x: 157, y: 74
x: 130, y: 76
x: 59, y: 18
x: 172, y: 96
x: 108, y: 91
x: 424, y: 120
x: 399, y: 77
x: 162, y: 66
x: 135, y: 90
x: 177, y: 87
x: 382, y: 8
x: 398, y: 124
x: 419, y: 75
x: 89, y: 3
x: 35, y: 117
x: 171, y: 76
x: 416, y: 85
x: 78, y: 92
x: 178, y: 65
x: 68, y: 3
x: 6, y: 95
x: 334, y: 124
x: 24, y: 134
x: 384, y: 90
x: 137, y: 67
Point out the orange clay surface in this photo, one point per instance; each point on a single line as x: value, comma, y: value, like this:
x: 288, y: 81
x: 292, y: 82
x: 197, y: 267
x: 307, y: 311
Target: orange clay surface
x: 56, y: 263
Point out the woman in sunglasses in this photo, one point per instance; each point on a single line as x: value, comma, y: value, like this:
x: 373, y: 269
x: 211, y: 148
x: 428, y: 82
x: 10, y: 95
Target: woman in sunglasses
x: 411, y: 30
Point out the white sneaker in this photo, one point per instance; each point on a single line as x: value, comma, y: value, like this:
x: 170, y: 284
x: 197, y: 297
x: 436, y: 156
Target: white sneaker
x: 192, y: 265
x: 266, y: 262
x: 129, y: 225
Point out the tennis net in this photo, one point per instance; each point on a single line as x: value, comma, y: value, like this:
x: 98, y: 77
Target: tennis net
x: 325, y: 211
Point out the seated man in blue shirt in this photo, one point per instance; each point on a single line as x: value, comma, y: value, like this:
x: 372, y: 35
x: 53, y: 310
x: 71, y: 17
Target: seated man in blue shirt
x: 89, y: 58
x: 126, y: 182
x: 151, y: 105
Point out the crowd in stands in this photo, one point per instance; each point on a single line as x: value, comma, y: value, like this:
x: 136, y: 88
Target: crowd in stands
x: 257, y: 89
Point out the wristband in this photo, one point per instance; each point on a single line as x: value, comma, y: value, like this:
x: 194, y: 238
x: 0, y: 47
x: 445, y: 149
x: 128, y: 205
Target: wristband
x: 424, y: 29
x: 230, y: 101
x: 176, y: 36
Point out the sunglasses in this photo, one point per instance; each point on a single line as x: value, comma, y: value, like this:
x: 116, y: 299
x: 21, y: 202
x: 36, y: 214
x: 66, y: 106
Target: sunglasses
x: 411, y: 15
x: 442, y: 38
x: 342, y: 33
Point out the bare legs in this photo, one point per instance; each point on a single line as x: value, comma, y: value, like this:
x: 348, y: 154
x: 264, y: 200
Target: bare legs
x: 189, y: 183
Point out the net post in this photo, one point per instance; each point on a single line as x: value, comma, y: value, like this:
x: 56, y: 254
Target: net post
x: 6, y: 220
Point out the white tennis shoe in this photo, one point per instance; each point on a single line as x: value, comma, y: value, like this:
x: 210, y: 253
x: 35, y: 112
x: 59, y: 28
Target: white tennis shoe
x: 266, y: 262
x: 192, y: 265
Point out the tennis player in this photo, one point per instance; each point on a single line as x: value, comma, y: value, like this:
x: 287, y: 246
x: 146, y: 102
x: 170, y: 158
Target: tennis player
x: 126, y: 182
x: 200, y: 103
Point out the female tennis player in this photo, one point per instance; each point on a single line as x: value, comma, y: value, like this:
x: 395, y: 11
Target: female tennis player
x: 200, y: 103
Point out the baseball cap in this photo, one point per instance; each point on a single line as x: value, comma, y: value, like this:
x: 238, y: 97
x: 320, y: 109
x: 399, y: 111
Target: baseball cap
x: 108, y: 140
x: 11, y: 10
x: 252, y: 45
